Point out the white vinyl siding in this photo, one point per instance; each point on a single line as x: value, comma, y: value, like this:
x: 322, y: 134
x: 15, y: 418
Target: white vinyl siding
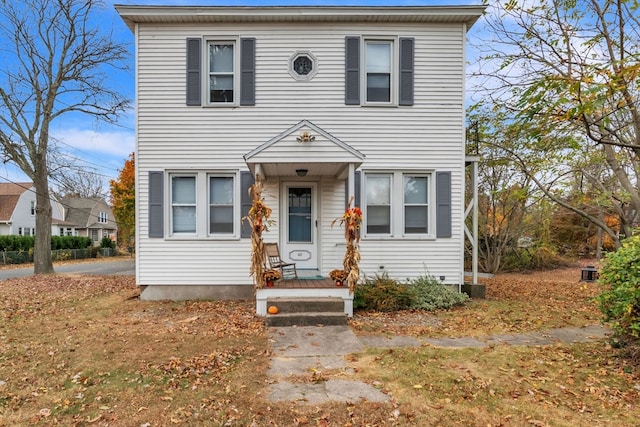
x: 174, y: 137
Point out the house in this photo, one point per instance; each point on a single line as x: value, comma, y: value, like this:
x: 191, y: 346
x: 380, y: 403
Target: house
x: 18, y: 210
x: 91, y: 216
x: 319, y: 103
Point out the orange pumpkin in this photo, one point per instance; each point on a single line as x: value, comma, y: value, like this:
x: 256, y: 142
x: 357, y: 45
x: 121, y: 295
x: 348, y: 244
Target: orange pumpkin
x: 272, y: 309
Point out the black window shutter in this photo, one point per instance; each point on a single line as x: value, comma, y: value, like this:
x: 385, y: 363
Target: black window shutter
x: 247, y: 71
x: 356, y: 190
x: 352, y: 71
x: 406, y: 70
x: 246, y: 181
x: 194, y: 52
x: 443, y: 204
x: 156, y: 207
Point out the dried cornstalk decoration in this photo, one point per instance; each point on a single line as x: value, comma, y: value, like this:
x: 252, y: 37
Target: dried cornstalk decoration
x: 351, y: 220
x: 258, y: 219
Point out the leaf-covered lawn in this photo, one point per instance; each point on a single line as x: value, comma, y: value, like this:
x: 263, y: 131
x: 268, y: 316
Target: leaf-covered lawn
x: 83, y: 350
x: 515, y: 303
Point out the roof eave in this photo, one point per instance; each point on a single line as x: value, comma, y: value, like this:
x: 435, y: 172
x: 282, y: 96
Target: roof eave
x: 278, y: 14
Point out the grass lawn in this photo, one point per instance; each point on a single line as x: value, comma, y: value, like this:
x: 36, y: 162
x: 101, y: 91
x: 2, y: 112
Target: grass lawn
x: 83, y: 350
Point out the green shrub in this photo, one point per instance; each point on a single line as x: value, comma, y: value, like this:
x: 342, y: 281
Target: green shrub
x: 429, y: 294
x: 382, y: 294
x: 107, y: 243
x: 620, y: 278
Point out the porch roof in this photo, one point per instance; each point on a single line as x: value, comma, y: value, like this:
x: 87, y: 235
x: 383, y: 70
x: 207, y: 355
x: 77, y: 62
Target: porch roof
x: 303, y: 149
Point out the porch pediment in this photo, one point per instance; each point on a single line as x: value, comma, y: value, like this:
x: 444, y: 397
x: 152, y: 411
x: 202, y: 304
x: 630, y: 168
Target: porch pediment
x: 303, y: 147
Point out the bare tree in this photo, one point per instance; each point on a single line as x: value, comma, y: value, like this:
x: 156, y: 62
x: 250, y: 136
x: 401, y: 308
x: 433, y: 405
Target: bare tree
x: 80, y: 182
x: 566, y: 74
x: 55, y: 63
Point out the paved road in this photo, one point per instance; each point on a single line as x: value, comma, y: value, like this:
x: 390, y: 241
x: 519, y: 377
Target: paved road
x: 124, y: 267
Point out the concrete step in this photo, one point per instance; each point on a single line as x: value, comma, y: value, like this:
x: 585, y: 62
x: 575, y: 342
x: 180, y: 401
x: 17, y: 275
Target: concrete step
x: 306, y: 319
x: 307, y: 305
x: 306, y: 312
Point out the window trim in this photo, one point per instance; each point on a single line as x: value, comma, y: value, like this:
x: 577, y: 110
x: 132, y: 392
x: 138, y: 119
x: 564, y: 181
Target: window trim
x: 394, y: 81
x: 397, y: 220
x: 235, y: 41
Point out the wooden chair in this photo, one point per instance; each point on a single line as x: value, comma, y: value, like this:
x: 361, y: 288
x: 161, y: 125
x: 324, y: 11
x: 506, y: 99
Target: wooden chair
x: 287, y: 269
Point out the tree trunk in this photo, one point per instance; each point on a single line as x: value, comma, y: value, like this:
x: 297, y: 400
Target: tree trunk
x: 42, y: 263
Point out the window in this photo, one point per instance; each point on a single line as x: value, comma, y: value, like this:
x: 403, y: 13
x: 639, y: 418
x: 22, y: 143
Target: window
x: 226, y: 70
x: 303, y: 65
x: 61, y: 231
x: 183, y: 204
x: 203, y: 205
x: 378, y: 65
x: 416, y: 204
x: 103, y: 217
x: 378, y: 196
x: 94, y: 235
x: 221, y: 204
x: 398, y: 204
x: 222, y: 67
x: 19, y: 231
x: 33, y: 207
x: 379, y: 71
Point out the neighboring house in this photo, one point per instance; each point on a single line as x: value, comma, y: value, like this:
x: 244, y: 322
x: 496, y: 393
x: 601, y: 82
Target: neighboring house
x: 92, y: 218
x: 322, y: 103
x: 18, y: 210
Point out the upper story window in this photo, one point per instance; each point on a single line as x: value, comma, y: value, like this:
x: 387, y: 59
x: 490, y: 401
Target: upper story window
x: 379, y: 77
x: 103, y: 218
x: 222, y: 73
x: 33, y: 207
x: 303, y: 65
x: 222, y: 68
x: 379, y: 71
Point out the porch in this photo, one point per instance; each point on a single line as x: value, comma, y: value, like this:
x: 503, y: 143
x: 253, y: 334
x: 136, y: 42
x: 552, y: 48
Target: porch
x: 304, y: 288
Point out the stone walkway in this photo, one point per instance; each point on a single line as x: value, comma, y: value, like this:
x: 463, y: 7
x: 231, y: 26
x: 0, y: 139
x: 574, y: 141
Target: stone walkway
x: 300, y: 353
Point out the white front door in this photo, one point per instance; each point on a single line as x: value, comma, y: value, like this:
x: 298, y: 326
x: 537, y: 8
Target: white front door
x: 300, y: 224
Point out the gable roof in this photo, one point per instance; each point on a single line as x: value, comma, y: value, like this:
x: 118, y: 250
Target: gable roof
x: 79, y: 210
x: 10, y: 193
x: 303, y: 146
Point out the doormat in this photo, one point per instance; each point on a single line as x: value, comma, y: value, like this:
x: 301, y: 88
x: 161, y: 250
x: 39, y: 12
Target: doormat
x: 316, y: 277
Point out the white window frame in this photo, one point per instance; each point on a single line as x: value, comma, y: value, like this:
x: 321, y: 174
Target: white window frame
x: 393, y: 78
x: 202, y: 204
x: 430, y: 202
x: 397, y: 210
x: 103, y: 217
x: 234, y: 205
x: 236, y: 71
x: 171, y: 204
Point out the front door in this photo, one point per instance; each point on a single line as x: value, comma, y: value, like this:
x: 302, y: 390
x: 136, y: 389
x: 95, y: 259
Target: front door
x: 300, y: 220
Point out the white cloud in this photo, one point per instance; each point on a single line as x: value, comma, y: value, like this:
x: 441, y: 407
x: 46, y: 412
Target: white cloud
x: 110, y: 142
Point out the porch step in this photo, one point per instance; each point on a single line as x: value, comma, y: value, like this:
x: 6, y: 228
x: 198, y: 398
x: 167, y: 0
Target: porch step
x: 306, y: 312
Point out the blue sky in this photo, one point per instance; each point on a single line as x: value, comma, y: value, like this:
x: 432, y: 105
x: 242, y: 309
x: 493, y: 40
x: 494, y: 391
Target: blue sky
x: 105, y: 147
